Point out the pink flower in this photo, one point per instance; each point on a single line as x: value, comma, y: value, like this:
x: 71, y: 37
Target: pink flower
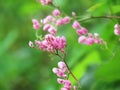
x: 117, y: 29
x: 82, y: 39
x: 50, y: 38
x: 73, y: 14
x: 64, y: 89
x: 117, y: 32
x: 67, y: 84
x: 55, y: 70
x: 117, y: 26
x: 90, y: 35
x: 31, y: 44
x: 82, y: 31
x: 52, y: 30
x: 60, y: 73
x: 96, y: 35
x: 76, y: 25
x: 36, y: 24
x: 59, y: 22
x: 62, y: 66
x: 48, y: 19
x: 45, y: 2
x: 66, y: 19
x: 75, y: 87
x: 56, y: 12
x: 35, y: 21
x: 60, y: 42
x: 89, y: 41
x: 60, y: 81
x: 46, y: 27
x: 97, y: 41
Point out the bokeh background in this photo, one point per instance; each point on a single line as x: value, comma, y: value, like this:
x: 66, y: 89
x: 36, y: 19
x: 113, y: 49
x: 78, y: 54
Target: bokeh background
x: 23, y: 68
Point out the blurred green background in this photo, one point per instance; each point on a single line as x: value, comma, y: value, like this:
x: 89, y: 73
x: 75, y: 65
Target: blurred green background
x: 24, y: 68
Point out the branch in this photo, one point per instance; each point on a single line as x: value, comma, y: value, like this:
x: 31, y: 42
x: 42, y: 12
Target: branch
x: 69, y: 71
x: 96, y: 17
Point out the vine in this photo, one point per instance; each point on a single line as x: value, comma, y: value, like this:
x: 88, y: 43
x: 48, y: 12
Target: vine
x: 54, y: 44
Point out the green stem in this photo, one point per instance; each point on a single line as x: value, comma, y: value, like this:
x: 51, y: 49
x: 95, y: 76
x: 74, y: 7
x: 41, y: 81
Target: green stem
x: 69, y: 71
x: 96, y: 17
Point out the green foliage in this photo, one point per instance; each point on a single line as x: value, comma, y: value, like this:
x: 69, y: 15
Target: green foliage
x: 24, y: 68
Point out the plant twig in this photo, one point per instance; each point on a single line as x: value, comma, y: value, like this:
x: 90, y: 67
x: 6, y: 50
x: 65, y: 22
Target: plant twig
x: 96, y: 17
x: 69, y: 71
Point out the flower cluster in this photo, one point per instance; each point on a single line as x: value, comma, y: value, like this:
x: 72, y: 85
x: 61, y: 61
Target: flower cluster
x: 61, y: 73
x: 51, y: 43
x: 117, y: 29
x: 51, y: 22
x: 45, y: 2
x: 84, y: 36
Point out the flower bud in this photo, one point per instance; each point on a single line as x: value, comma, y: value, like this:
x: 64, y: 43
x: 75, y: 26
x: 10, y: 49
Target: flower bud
x: 90, y: 41
x: 73, y: 14
x: 56, y: 12
x: 61, y: 65
x: 55, y: 70
x: 76, y: 25
x: 31, y: 44
x: 82, y: 39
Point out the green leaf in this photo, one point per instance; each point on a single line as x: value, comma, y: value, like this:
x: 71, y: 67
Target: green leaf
x: 115, y: 9
x: 110, y: 71
x: 95, y: 7
x: 8, y: 41
x: 60, y: 3
x: 80, y: 69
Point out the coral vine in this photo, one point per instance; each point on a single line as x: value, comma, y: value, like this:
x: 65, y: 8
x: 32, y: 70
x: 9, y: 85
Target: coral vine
x: 54, y: 44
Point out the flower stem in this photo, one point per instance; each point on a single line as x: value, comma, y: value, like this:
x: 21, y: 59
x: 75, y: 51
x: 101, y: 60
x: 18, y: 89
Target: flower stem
x: 96, y: 17
x: 69, y: 71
